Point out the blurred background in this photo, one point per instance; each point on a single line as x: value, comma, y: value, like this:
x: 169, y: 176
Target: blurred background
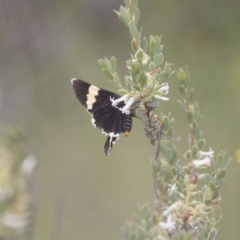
x: 43, y: 44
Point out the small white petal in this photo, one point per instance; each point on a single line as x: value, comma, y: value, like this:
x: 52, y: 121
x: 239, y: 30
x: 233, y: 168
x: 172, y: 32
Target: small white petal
x: 173, y: 188
x: 124, y: 98
x: 126, y: 108
x: 28, y: 165
x: 202, y: 162
x: 161, y: 97
x: 169, y: 224
x: 204, y: 154
x: 164, y: 89
x: 14, y: 221
x: 170, y: 209
x: 201, y: 176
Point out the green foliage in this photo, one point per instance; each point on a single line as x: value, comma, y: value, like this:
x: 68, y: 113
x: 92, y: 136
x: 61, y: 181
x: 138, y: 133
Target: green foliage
x: 188, y: 201
x: 15, y: 171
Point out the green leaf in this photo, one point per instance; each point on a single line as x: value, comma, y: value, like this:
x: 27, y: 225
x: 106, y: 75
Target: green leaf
x: 171, y: 155
x: 182, y: 92
x: 182, y: 77
x: 170, y: 132
x: 136, y: 87
x: 135, y: 4
x: 153, y: 142
x: 136, y: 68
x: 107, y: 73
x: 191, y: 108
x: 116, y: 77
x: 220, y: 161
x: 113, y: 62
x: 176, y: 142
x: 207, y: 229
x: 121, y: 18
x: 159, y: 183
x: 114, y: 83
x: 145, y: 212
x: 159, y: 59
x: 161, y: 77
x: 170, y: 73
x: 196, y: 111
x: 165, y: 121
x: 144, y: 44
x: 133, y: 30
x: 211, y: 185
x: 154, y: 167
x: 207, y: 201
x: 190, y: 96
x: 126, y: 231
x: 134, y: 45
x: 194, y: 151
x: 155, y: 218
x: 199, y: 196
x: 221, y: 174
x: 125, y: 13
x: 152, y: 66
x: 201, y: 144
x: 215, y: 195
x: 152, y: 104
x: 139, y: 54
x: 167, y: 68
x: 197, y: 131
x: 207, y: 178
x: 171, y: 122
x: 133, y: 236
x: 189, y: 117
x: 126, y: 81
x: 182, y: 105
x: 141, y: 233
x: 153, y: 47
x: 143, y: 79
x: 158, y: 40
x: 102, y: 63
x: 137, y: 16
x: 108, y: 64
x: 227, y: 163
x: 213, y: 234
x: 160, y: 49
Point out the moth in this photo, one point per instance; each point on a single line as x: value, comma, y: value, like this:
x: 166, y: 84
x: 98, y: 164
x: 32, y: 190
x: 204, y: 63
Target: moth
x: 107, y: 118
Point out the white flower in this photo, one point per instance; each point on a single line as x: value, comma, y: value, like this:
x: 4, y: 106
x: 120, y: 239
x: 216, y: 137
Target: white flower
x: 173, y: 188
x: 28, y: 165
x: 124, y: 98
x: 202, y: 162
x: 205, y: 154
x: 127, y: 100
x: 14, y: 221
x: 170, y: 209
x: 126, y: 108
x: 161, y: 97
x: 163, y: 90
x: 169, y: 224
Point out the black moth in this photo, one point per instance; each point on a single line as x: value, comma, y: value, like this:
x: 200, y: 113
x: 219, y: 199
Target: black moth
x: 107, y: 118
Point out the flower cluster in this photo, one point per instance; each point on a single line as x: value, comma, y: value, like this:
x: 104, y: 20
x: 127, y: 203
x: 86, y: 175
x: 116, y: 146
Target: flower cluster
x: 204, y: 159
x: 129, y: 101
